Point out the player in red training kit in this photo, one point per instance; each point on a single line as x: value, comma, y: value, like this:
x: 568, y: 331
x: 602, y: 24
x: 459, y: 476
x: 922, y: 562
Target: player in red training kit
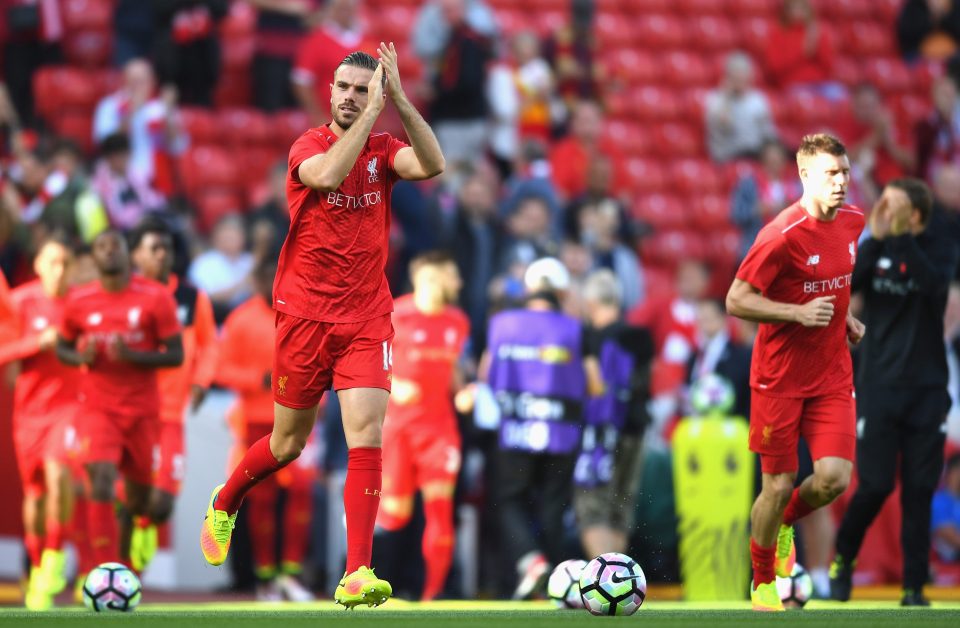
x: 151, y: 251
x: 421, y: 437
x: 45, y: 408
x: 333, y: 304
x: 795, y: 282
x: 122, y: 327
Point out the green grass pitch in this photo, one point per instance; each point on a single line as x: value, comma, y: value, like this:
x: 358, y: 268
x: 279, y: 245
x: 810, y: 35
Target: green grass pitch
x: 399, y: 614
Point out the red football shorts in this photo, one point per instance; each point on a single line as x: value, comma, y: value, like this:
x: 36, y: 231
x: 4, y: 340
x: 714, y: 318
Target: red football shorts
x: 311, y: 356
x: 827, y: 422
x: 126, y: 441
x: 415, y: 454
x: 168, y: 459
x: 36, y: 440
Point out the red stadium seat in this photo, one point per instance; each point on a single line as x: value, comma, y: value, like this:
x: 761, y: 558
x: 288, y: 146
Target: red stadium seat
x: 848, y: 70
x: 237, y: 53
x: 655, y: 104
x: 890, y: 75
x: 753, y: 34
x: 613, y: 30
x: 549, y: 22
x: 679, y: 140
x: 851, y: 9
x: 87, y: 14
x: 632, y: 137
x: 233, y: 89
x: 56, y: 88
x: 661, y: 211
x: 669, y: 247
x: 711, y: 212
x: 658, y: 280
x: 76, y: 125
x: 870, y: 39
x: 288, y: 126
x: 658, y: 32
x: 636, y: 66
x: 201, y: 124
x: 212, y: 205
x: 646, y: 176
x: 245, y: 126
x: 514, y: 20
x: 207, y: 167
x: 88, y: 48
x: 255, y: 167
x: 639, y: 7
x: 696, y: 176
x: 714, y: 33
x: 694, y: 8
x: 688, y: 68
x: 723, y: 247
x: 911, y: 109
x: 749, y: 8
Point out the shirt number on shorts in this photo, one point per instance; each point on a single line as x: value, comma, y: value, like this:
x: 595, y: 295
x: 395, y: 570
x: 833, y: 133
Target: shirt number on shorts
x: 387, y: 355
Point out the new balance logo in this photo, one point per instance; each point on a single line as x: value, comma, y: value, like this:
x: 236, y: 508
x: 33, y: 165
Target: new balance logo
x: 813, y: 260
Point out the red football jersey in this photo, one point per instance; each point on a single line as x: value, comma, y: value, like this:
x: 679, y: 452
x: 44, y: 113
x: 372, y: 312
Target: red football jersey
x: 425, y: 349
x: 47, y: 389
x: 142, y: 314
x: 795, y: 259
x: 331, y: 266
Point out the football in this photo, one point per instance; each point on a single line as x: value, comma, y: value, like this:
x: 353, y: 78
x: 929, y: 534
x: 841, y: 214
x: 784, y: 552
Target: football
x: 613, y: 584
x: 795, y: 590
x: 712, y: 394
x: 111, y: 587
x: 563, y: 587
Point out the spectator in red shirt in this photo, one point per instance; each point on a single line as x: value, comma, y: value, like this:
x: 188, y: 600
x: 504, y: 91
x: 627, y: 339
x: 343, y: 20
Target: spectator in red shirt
x: 340, y: 32
x: 870, y: 131
x: 570, y: 156
x: 798, y: 53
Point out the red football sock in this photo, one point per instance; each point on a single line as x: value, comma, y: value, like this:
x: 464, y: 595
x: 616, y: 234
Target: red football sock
x: 104, y: 532
x: 53, y: 538
x: 797, y: 508
x: 258, y: 463
x: 262, y: 516
x: 296, y: 522
x: 762, y: 559
x: 34, y: 545
x: 437, y: 545
x: 81, y: 539
x: 361, y: 500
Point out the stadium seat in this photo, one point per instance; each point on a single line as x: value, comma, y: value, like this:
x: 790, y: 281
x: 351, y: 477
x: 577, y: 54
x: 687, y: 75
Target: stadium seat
x: 663, y: 212
x: 753, y: 34
x: 751, y: 8
x: 549, y: 22
x: 87, y: 14
x: 613, y: 30
x: 513, y: 20
x: 695, y: 8
x: 56, y: 88
x: 201, y: 124
x: 646, y: 176
x: 710, y: 212
x: 851, y: 9
x: 890, y: 75
x: 636, y: 66
x: 714, y: 33
x: 651, y: 103
x: 848, y: 70
x: 695, y: 177
x: 233, y: 89
x: 76, y: 125
x: 723, y: 246
x: 911, y: 109
x: 287, y: 127
x: 658, y: 280
x: 212, y: 205
x: 255, y: 166
x: 679, y: 140
x: 869, y: 39
x: 207, y: 167
x: 88, y: 47
x: 659, y: 32
x: 245, y: 126
x: 237, y: 53
x: 241, y: 20
x: 639, y: 7
x: 669, y: 247
x: 632, y: 137
x: 684, y: 68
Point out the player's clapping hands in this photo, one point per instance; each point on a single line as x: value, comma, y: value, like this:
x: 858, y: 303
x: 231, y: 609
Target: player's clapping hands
x: 375, y: 96
x: 388, y: 61
x: 816, y: 313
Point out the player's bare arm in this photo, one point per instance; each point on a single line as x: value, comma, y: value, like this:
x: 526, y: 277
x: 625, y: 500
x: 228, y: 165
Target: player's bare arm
x: 68, y: 353
x: 325, y: 172
x: 423, y: 159
x: 170, y: 356
x: 856, y: 330
x: 746, y: 302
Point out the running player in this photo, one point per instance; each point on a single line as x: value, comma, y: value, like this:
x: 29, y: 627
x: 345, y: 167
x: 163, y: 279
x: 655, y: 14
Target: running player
x: 45, y: 407
x: 122, y: 328
x: 333, y: 304
x: 421, y: 435
x: 795, y: 282
x: 151, y: 250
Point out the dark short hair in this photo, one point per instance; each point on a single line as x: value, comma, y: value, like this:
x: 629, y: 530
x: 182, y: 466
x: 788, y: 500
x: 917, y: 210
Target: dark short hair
x: 150, y: 224
x: 115, y: 143
x: 919, y: 194
x: 431, y: 258
x: 817, y: 143
x: 360, y: 59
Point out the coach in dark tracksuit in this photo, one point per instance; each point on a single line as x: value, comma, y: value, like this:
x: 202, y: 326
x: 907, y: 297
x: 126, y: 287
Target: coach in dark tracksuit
x: 903, y: 272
